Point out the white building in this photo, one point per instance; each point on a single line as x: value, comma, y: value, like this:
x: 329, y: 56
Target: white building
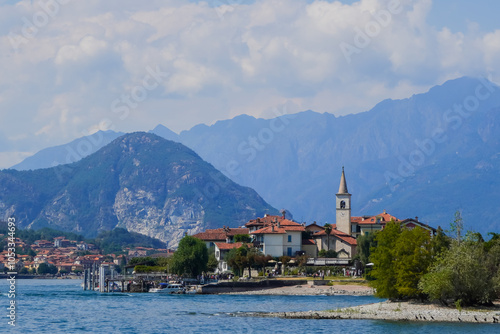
x: 283, y: 237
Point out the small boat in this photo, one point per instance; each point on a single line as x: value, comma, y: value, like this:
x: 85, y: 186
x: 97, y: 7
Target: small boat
x: 172, y: 288
x: 191, y: 290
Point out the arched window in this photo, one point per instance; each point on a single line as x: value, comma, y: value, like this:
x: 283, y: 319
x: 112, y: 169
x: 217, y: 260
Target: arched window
x: 342, y: 204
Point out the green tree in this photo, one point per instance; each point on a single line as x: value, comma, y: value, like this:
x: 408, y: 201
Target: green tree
x: 191, y: 257
x: 45, y: 268
x: 212, y: 263
x: 365, y: 244
x: 412, y: 258
x: 402, y: 256
x: 462, y: 275
x: 440, y: 242
x: 146, y: 261
x: 495, y: 239
x: 245, y: 238
x: 244, y: 257
x: 236, y: 259
x: 383, y: 258
x: 327, y: 253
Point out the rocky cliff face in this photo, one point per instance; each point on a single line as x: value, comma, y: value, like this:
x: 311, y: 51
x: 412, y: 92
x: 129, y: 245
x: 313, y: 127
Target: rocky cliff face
x: 140, y: 182
x: 137, y: 212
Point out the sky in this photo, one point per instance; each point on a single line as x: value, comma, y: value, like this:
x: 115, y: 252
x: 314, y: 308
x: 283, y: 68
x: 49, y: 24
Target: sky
x: 69, y: 68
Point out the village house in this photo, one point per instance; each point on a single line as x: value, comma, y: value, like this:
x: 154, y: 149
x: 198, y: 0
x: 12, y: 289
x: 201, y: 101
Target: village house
x: 61, y: 242
x: 224, y: 235
x: 221, y: 250
x: 279, y: 237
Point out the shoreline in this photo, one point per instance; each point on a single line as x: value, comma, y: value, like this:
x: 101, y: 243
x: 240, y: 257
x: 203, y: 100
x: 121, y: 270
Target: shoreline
x: 306, y: 290
x: 397, y: 311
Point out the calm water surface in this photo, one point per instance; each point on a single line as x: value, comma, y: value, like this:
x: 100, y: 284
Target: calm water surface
x: 60, y: 306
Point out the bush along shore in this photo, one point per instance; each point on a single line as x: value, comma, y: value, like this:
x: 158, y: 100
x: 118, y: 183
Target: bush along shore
x: 397, y: 311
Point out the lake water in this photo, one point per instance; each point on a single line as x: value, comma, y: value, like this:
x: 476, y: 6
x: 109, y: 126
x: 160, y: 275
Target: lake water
x: 60, y: 306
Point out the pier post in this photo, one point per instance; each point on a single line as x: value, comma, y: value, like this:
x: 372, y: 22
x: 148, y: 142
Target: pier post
x: 85, y: 280
x: 102, y: 278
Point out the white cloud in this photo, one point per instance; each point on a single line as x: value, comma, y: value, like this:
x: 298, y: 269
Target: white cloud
x: 222, y: 61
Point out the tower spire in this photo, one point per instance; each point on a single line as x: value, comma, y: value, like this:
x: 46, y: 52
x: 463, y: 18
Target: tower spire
x: 343, y: 184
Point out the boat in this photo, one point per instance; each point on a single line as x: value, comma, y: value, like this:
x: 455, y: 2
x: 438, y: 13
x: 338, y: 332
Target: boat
x: 171, y: 288
x: 191, y: 290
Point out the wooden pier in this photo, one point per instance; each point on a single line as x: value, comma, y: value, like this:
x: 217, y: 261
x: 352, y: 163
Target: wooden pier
x: 103, y: 278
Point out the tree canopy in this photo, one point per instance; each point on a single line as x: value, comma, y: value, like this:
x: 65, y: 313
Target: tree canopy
x: 410, y: 263
x: 466, y: 274
x: 401, y: 258
x: 191, y: 257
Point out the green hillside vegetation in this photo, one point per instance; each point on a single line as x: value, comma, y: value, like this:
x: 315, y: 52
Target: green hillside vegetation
x: 115, y: 240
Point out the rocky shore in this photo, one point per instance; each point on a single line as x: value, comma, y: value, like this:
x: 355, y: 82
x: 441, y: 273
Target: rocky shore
x: 394, y: 311
x: 309, y: 290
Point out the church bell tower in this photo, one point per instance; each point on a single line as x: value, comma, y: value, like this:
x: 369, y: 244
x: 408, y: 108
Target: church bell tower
x: 343, y: 207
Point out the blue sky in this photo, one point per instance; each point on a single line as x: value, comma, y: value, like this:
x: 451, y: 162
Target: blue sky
x: 71, y: 67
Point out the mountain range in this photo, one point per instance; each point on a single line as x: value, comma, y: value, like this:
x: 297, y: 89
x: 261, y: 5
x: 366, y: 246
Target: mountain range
x: 428, y: 155
x: 140, y: 182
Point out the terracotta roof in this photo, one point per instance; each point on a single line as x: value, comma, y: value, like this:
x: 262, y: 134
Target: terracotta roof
x: 346, y: 238
x: 225, y: 245
x: 220, y: 234
x: 341, y: 235
x: 315, y: 225
x: 268, y: 220
x: 280, y: 230
x: 367, y: 220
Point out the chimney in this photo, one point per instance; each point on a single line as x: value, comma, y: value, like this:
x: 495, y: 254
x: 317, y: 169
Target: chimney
x: 283, y: 213
x: 272, y: 227
x: 278, y: 223
x: 384, y: 212
x: 416, y: 218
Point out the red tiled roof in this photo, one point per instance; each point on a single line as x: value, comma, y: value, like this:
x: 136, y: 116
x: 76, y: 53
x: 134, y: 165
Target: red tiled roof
x: 341, y: 235
x: 315, y: 225
x: 268, y: 220
x: 280, y: 230
x: 225, y: 245
x: 220, y: 234
x: 346, y: 238
x: 366, y: 220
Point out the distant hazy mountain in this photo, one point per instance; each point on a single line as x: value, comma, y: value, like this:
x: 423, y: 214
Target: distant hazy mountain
x: 163, y: 131
x: 427, y: 156
x: 140, y: 182
x: 68, y: 153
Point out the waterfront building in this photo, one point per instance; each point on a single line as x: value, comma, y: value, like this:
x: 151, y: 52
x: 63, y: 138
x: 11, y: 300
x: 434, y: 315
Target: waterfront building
x: 224, y: 235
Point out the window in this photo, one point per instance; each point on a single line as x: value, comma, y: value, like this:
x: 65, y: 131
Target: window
x: 289, y: 251
x: 289, y: 238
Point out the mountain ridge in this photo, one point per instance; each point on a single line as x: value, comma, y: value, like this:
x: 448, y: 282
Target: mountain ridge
x: 294, y: 161
x: 140, y: 182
